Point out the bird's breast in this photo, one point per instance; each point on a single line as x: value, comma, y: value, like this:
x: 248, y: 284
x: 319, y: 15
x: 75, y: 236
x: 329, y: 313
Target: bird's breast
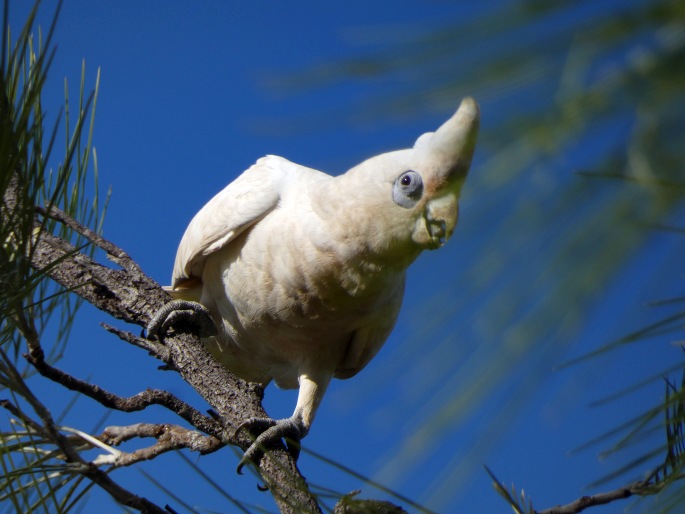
x: 287, y: 291
x: 299, y: 273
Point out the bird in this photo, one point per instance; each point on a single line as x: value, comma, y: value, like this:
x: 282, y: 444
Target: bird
x: 299, y: 275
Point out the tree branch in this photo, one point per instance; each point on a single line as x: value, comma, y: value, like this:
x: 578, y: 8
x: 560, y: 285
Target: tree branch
x: 116, y: 435
x: 647, y: 486
x: 132, y: 296
x: 169, y: 437
x: 585, y: 502
x: 114, y: 253
x: 49, y: 431
x: 133, y: 403
x: 153, y: 347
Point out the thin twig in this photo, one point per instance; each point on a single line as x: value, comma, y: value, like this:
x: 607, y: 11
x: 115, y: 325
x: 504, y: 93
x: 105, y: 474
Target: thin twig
x: 78, y: 465
x: 585, y: 502
x: 169, y: 437
x: 153, y: 347
x: 115, y: 253
x: 133, y: 403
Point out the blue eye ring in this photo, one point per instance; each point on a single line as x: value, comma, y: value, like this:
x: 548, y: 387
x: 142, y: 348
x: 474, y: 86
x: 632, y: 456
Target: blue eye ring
x: 407, y: 189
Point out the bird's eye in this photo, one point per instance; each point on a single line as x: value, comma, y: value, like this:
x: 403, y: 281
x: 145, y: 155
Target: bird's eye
x: 407, y: 189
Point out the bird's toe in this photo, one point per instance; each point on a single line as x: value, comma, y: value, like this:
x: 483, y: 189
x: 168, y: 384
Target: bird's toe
x: 181, y: 310
x: 269, y: 432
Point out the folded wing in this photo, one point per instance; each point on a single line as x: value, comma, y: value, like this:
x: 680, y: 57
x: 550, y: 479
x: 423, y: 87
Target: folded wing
x: 237, y: 207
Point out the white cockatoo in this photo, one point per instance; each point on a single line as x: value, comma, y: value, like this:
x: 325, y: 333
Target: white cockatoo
x: 303, y: 273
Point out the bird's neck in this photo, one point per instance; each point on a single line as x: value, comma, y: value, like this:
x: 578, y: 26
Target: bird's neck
x: 363, y: 233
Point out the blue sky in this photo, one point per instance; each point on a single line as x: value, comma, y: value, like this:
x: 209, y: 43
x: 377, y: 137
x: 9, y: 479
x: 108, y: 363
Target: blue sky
x: 184, y: 107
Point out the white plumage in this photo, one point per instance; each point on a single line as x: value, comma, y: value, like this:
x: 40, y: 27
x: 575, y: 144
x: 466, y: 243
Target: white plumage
x: 304, y: 272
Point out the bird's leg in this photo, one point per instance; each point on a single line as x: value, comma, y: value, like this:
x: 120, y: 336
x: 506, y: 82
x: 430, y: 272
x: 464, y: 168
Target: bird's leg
x: 270, y: 431
x: 182, y: 310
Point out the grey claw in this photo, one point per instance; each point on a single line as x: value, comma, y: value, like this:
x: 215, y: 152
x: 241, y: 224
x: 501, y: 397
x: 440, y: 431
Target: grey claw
x: 271, y: 432
x: 181, y: 310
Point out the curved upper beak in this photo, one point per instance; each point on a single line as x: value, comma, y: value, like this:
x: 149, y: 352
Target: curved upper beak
x: 451, y: 147
x: 445, y: 157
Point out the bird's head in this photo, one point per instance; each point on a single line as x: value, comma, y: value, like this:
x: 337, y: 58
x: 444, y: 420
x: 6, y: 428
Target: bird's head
x: 411, y: 196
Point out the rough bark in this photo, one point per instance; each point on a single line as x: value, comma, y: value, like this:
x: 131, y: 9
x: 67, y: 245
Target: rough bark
x: 130, y: 295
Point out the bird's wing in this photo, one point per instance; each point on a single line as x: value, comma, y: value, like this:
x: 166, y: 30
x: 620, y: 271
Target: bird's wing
x: 238, y: 206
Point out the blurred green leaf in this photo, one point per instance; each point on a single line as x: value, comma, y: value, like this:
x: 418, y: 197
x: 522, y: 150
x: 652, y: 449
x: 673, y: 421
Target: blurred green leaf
x: 579, y: 161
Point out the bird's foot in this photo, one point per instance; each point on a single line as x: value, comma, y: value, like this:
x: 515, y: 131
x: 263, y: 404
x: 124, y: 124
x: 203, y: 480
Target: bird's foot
x: 182, y: 310
x: 270, y: 431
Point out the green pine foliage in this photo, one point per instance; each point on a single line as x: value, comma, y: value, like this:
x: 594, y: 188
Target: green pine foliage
x: 34, y: 180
